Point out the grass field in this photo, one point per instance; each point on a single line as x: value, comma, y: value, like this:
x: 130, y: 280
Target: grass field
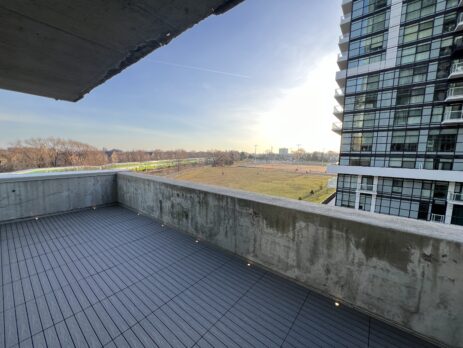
x: 271, y: 181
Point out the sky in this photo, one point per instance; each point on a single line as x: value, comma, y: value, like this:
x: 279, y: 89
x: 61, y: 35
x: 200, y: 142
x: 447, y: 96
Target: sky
x: 261, y: 74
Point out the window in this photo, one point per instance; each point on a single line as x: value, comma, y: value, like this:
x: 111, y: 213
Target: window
x: 405, y: 140
x: 449, y: 23
x: 418, y: 31
x: 363, y: 83
x: 361, y: 142
x: 419, y: 8
x: 362, y: 120
x: 416, y: 53
x: 366, y: 101
x: 368, y: 45
x: 411, y: 75
x: 397, y: 185
x: 440, y: 92
x: 443, y: 69
x: 443, y: 140
x: 369, y: 25
x: 360, y: 161
x: 407, y: 117
x: 407, y: 96
x: 364, y: 7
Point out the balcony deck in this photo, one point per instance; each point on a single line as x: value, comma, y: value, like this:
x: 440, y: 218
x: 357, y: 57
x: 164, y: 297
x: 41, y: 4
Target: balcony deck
x: 108, y: 277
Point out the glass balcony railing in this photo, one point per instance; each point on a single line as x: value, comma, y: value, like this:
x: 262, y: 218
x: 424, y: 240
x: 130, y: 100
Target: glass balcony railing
x: 337, y: 127
x: 453, y: 116
x: 456, y: 197
x: 438, y: 218
x: 457, y: 68
x: 366, y: 187
x: 455, y: 92
x: 459, y: 25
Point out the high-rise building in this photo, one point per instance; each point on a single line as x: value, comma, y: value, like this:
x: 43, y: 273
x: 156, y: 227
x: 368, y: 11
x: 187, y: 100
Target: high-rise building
x: 401, y: 92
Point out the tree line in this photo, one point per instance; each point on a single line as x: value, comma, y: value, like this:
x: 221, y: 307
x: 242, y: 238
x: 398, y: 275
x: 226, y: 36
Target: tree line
x: 57, y: 152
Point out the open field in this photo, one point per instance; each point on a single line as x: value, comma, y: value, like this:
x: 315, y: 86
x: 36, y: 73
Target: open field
x: 271, y: 181
x: 296, y: 168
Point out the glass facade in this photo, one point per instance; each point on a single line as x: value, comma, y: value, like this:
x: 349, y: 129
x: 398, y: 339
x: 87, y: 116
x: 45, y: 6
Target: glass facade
x: 403, y: 108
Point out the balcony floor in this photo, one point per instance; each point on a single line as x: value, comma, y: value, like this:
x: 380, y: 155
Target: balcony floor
x: 111, y: 278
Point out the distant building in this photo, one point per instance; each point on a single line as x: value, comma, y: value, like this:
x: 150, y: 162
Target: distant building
x: 401, y: 89
x: 283, y: 151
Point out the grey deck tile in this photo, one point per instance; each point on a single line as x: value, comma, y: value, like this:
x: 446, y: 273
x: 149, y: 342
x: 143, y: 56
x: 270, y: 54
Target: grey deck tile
x: 76, y: 333
x: 132, y: 340
x: 11, y: 331
x: 39, y: 340
x: 107, y: 321
x: 98, y: 326
x: 63, y: 335
x: 87, y: 330
x: 111, y: 278
x: 33, y: 317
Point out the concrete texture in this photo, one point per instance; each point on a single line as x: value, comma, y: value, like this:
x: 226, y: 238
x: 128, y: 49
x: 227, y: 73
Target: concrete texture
x: 24, y: 196
x: 408, y: 273
x: 63, y: 48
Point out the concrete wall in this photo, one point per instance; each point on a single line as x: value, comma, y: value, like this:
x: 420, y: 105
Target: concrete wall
x: 24, y: 196
x: 407, y: 272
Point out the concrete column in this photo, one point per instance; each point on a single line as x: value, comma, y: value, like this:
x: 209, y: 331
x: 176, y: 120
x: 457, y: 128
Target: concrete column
x: 449, y: 211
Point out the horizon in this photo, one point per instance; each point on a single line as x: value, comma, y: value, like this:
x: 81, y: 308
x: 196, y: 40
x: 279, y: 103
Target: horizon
x: 257, y: 74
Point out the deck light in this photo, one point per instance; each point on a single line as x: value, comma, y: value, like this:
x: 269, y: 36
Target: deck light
x: 336, y: 303
x: 36, y: 218
x: 249, y: 265
x: 196, y: 241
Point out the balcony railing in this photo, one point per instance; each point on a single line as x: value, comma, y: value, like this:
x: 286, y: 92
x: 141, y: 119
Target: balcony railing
x: 344, y: 42
x: 459, y: 25
x: 366, y: 187
x: 456, y: 69
x: 456, y: 197
x: 337, y: 127
x: 338, y: 112
x: 345, y: 23
x: 455, y: 93
x: 453, y: 116
x: 438, y: 218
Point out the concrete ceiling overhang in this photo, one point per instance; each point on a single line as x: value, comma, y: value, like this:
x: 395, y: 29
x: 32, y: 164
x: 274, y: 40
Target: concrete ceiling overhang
x: 64, y: 48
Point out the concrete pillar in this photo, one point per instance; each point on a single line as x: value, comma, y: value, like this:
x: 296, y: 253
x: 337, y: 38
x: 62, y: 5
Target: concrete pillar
x: 449, y: 211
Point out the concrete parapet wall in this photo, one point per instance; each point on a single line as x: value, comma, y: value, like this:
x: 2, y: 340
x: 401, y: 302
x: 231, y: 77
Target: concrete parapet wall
x: 407, y: 272
x: 25, y: 196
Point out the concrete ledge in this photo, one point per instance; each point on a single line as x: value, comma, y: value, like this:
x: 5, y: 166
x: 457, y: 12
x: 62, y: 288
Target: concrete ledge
x: 403, y: 271
x: 25, y: 196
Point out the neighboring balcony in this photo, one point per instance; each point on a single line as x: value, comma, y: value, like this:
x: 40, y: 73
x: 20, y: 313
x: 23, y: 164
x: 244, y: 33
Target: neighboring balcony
x: 455, y: 198
x: 338, y: 112
x: 346, y: 6
x: 456, y: 71
x: 454, y: 93
x: 452, y: 116
x: 459, y: 25
x: 341, y: 77
x: 438, y: 218
x: 339, y: 95
x: 337, y: 127
x: 345, y: 23
x: 342, y: 60
x: 344, y: 42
